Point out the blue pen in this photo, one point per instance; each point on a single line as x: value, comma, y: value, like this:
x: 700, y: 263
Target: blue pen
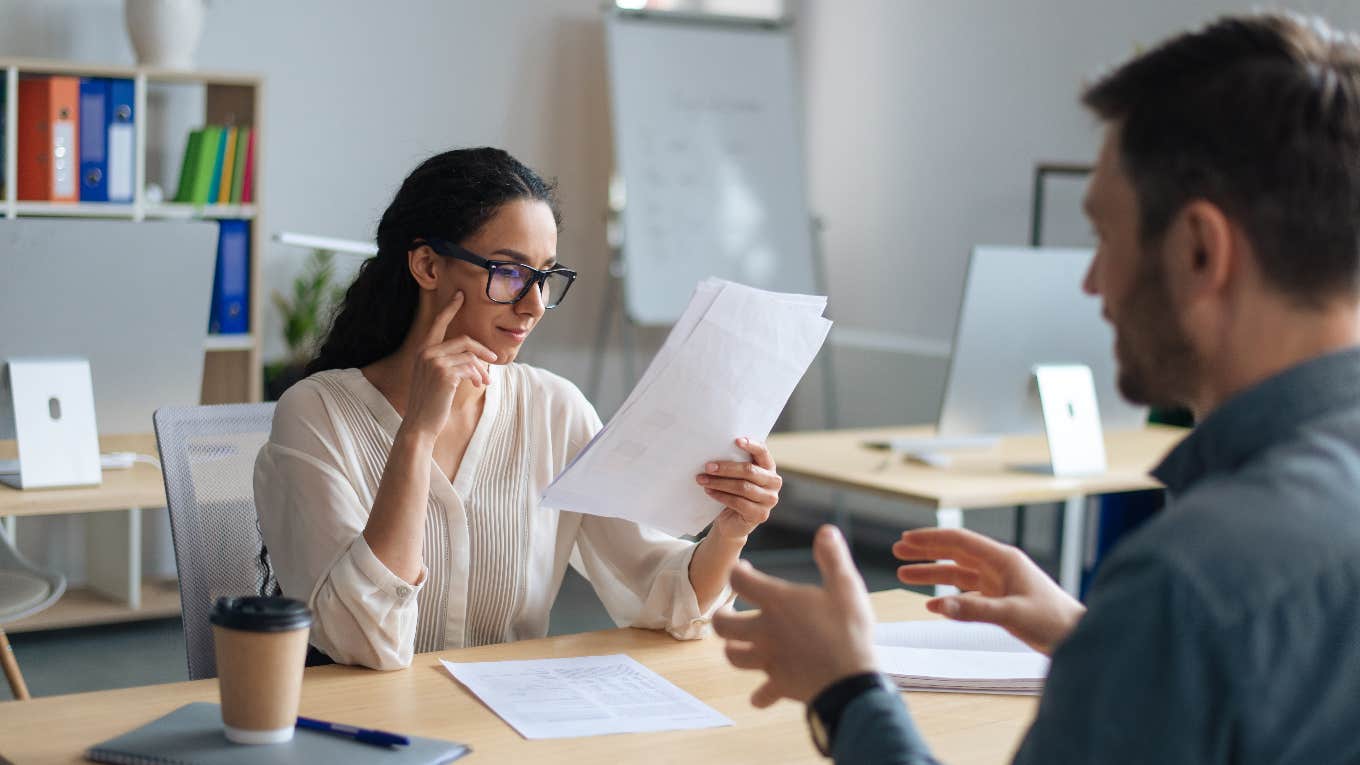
x: 362, y: 735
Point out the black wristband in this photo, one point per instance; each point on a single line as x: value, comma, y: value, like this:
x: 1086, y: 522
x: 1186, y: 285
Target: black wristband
x: 830, y: 704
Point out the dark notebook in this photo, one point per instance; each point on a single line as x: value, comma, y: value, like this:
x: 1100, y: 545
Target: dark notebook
x: 193, y: 734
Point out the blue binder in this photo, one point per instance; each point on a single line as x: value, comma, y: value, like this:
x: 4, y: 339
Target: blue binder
x: 121, y: 141
x: 230, y: 311
x: 94, y: 138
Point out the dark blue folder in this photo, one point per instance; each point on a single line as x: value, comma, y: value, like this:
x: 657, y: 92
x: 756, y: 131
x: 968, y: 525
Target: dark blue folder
x: 94, y: 139
x: 230, y: 312
x: 121, y: 141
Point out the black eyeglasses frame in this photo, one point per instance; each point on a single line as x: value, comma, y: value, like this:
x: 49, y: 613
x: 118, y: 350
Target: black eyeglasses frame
x: 450, y: 250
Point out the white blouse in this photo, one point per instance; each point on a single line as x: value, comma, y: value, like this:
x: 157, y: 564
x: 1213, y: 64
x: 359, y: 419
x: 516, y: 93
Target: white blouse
x: 494, y: 559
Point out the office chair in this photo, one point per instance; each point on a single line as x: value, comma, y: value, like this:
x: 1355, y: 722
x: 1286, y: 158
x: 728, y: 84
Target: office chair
x: 208, y: 459
x: 25, y: 590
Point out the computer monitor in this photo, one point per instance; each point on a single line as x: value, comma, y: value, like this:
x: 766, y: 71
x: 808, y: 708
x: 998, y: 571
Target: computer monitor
x: 132, y: 298
x: 1024, y: 306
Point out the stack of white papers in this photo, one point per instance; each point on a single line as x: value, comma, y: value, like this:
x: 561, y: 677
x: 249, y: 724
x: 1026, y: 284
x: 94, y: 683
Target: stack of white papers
x: 958, y: 657
x: 725, y: 371
x: 585, y: 696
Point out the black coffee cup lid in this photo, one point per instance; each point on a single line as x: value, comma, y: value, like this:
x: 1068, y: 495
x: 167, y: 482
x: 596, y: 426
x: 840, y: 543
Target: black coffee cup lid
x: 256, y: 614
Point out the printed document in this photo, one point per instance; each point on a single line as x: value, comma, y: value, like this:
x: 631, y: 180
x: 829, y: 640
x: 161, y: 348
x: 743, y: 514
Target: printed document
x: 585, y: 696
x: 726, y: 370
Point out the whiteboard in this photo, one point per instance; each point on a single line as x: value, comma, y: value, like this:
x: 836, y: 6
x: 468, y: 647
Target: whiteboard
x: 708, y: 143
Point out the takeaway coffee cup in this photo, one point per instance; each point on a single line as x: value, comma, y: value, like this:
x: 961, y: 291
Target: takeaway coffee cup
x: 261, y: 649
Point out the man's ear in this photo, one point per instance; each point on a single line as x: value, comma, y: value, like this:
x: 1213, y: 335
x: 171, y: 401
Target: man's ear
x: 424, y: 265
x: 1202, y: 251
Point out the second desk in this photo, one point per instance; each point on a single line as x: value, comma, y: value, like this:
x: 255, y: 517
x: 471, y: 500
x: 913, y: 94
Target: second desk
x: 976, y: 478
x: 115, y: 591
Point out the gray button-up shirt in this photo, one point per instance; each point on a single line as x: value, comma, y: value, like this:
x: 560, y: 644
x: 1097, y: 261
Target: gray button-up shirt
x: 1227, y: 628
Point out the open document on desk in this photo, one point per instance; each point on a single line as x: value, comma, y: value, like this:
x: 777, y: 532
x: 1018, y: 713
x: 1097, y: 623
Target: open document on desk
x: 958, y: 657
x: 726, y: 370
x: 583, y: 696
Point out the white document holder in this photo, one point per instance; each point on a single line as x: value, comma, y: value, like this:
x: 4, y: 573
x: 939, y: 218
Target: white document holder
x: 1076, y: 446
x: 49, y: 409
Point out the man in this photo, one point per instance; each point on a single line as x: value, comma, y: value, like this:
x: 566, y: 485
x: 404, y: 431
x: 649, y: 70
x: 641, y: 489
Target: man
x: 1227, y: 203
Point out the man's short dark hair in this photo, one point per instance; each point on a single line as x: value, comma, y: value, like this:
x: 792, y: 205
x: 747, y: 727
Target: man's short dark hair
x: 1259, y: 115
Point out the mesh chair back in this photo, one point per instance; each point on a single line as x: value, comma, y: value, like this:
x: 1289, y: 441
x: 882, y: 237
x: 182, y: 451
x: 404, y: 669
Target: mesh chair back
x: 208, y: 459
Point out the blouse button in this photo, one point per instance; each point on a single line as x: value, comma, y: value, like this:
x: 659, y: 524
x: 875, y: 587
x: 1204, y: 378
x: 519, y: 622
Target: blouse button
x: 403, y: 591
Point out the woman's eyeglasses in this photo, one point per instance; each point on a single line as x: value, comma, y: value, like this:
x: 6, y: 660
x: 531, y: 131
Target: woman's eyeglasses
x: 508, y: 281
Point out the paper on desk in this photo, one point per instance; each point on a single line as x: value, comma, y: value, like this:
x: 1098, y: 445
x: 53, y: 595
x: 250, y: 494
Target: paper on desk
x: 726, y: 370
x: 585, y: 696
x: 958, y: 657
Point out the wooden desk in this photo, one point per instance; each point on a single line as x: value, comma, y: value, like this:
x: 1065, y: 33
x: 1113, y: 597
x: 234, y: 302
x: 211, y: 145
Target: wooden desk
x: 976, y: 478
x: 117, y: 591
x: 424, y: 700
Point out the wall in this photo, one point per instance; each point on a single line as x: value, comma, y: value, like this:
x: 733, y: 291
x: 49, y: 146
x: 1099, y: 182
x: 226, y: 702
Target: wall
x: 924, y: 123
x: 924, y: 120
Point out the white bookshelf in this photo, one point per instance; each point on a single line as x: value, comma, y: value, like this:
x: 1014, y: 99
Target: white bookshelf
x: 128, y: 211
x: 232, y: 364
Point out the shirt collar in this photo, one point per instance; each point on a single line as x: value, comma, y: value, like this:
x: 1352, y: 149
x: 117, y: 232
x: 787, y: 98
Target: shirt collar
x: 1261, y: 416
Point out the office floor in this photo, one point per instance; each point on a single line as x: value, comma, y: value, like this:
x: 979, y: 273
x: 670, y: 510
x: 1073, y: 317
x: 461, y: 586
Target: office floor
x: 145, y: 653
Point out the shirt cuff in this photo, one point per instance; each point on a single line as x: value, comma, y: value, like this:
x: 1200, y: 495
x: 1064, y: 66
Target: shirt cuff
x: 694, y: 623
x: 724, y: 600
x: 381, y: 576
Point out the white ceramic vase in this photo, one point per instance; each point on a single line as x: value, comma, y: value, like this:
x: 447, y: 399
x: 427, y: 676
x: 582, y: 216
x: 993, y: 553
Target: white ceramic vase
x: 165, y: 32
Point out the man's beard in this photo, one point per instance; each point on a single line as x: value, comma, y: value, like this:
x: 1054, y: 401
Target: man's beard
x: 1157, y: 363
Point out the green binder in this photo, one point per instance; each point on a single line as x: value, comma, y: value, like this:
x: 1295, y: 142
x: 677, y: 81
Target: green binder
x: 184, y: 193
x: 205, y: 164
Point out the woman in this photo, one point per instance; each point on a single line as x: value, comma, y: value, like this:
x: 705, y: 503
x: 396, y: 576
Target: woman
x: 398, y: 491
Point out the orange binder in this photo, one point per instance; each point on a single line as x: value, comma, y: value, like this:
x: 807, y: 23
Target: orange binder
x: 49, y: 134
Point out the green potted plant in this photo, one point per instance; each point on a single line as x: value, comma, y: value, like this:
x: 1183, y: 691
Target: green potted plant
x: 306, y: 317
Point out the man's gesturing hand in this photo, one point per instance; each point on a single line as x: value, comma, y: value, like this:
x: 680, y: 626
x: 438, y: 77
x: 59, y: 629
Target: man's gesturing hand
x: 803, y: 638
x: 1001, y: 585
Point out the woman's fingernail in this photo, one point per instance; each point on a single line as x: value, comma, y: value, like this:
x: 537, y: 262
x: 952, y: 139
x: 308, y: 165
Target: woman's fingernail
x: 703, y: 479
x: 743, y: 441
x: 711, y: 467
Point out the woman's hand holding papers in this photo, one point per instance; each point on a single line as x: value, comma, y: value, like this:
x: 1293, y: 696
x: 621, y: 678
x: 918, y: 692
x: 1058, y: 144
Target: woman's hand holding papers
x: 1001, y: 585
x: 748, y: 490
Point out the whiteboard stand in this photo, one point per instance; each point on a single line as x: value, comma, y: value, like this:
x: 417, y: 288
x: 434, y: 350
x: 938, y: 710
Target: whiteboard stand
x: 830, y: 411
x: 612, y: 308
